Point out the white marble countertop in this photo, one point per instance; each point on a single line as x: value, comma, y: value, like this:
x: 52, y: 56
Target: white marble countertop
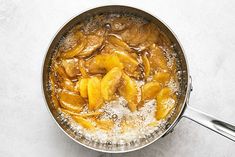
x: 206, y: 30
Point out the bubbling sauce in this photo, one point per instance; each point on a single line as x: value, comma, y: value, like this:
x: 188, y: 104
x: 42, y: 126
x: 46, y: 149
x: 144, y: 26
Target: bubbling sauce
x: 113, y: 78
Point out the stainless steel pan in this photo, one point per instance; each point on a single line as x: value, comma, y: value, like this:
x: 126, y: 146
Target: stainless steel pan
x: 182, y: 110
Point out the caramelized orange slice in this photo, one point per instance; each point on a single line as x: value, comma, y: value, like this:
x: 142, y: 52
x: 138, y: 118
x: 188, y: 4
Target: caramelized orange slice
x: 71, y: 67
x: 82, y: 68
x: 165, y: 103
x: 129, y: 91
x: 75, y: 50
x: 134, y: 35
x: 83, y: 87
x: 162, y: 77
x: 164, y: 93
x: 164, y: 108
x: 84, y: 122
x: 71, y: 101
x: 103, y: 63
x: 118, y: 42
x: 69, y: 85
x: 90, y: 114
x: 129, y: 60
x: 60, y: 71
x: 110, y: 82
x: 140, y: 33
x: 129, y: 63
x: 93, y: 43
x: 150, y: 90
x: 157, y: 58
x: 94, y: 93
x: 146, y: 65
x: 153, y: 33
x: 71, y: 112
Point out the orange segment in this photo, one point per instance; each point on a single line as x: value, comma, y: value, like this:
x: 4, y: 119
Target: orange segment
x: 93, y: 43
x: 83, y: 87
x: 129, y: 91
x: 110, y: 82
x: 75, y: 50
x: 118, y: 42
x: 82, y: 68
x: 69, y: 85
x: 150, y: 90
x: 90, y: 114
x: 164, y: 93
x: 157, y: 58
x: 146, y: 65
x: 94, y: 93
x: 162, y: 77
x: 71, y: 101
x: 71, y: 67
x: 60, y: 71
x: 165, y: 103
x: 164, y: 107
x: 84, y: 122
x: 129, y: 63
x: 103, y: 63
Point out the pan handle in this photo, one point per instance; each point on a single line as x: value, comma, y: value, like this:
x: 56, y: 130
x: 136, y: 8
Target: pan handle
x: 225, y: 129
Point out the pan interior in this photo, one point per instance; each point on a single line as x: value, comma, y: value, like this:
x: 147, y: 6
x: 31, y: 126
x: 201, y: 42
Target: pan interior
x: 181, y: 67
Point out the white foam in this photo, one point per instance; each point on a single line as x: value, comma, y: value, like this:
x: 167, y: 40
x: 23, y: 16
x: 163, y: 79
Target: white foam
x: 139, y: 119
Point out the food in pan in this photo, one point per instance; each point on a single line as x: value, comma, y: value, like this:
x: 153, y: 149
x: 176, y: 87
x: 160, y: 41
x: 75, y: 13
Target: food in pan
x: 114, y: 78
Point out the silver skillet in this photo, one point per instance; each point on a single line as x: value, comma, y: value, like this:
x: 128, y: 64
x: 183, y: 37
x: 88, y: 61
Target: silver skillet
x: 182, y: 109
